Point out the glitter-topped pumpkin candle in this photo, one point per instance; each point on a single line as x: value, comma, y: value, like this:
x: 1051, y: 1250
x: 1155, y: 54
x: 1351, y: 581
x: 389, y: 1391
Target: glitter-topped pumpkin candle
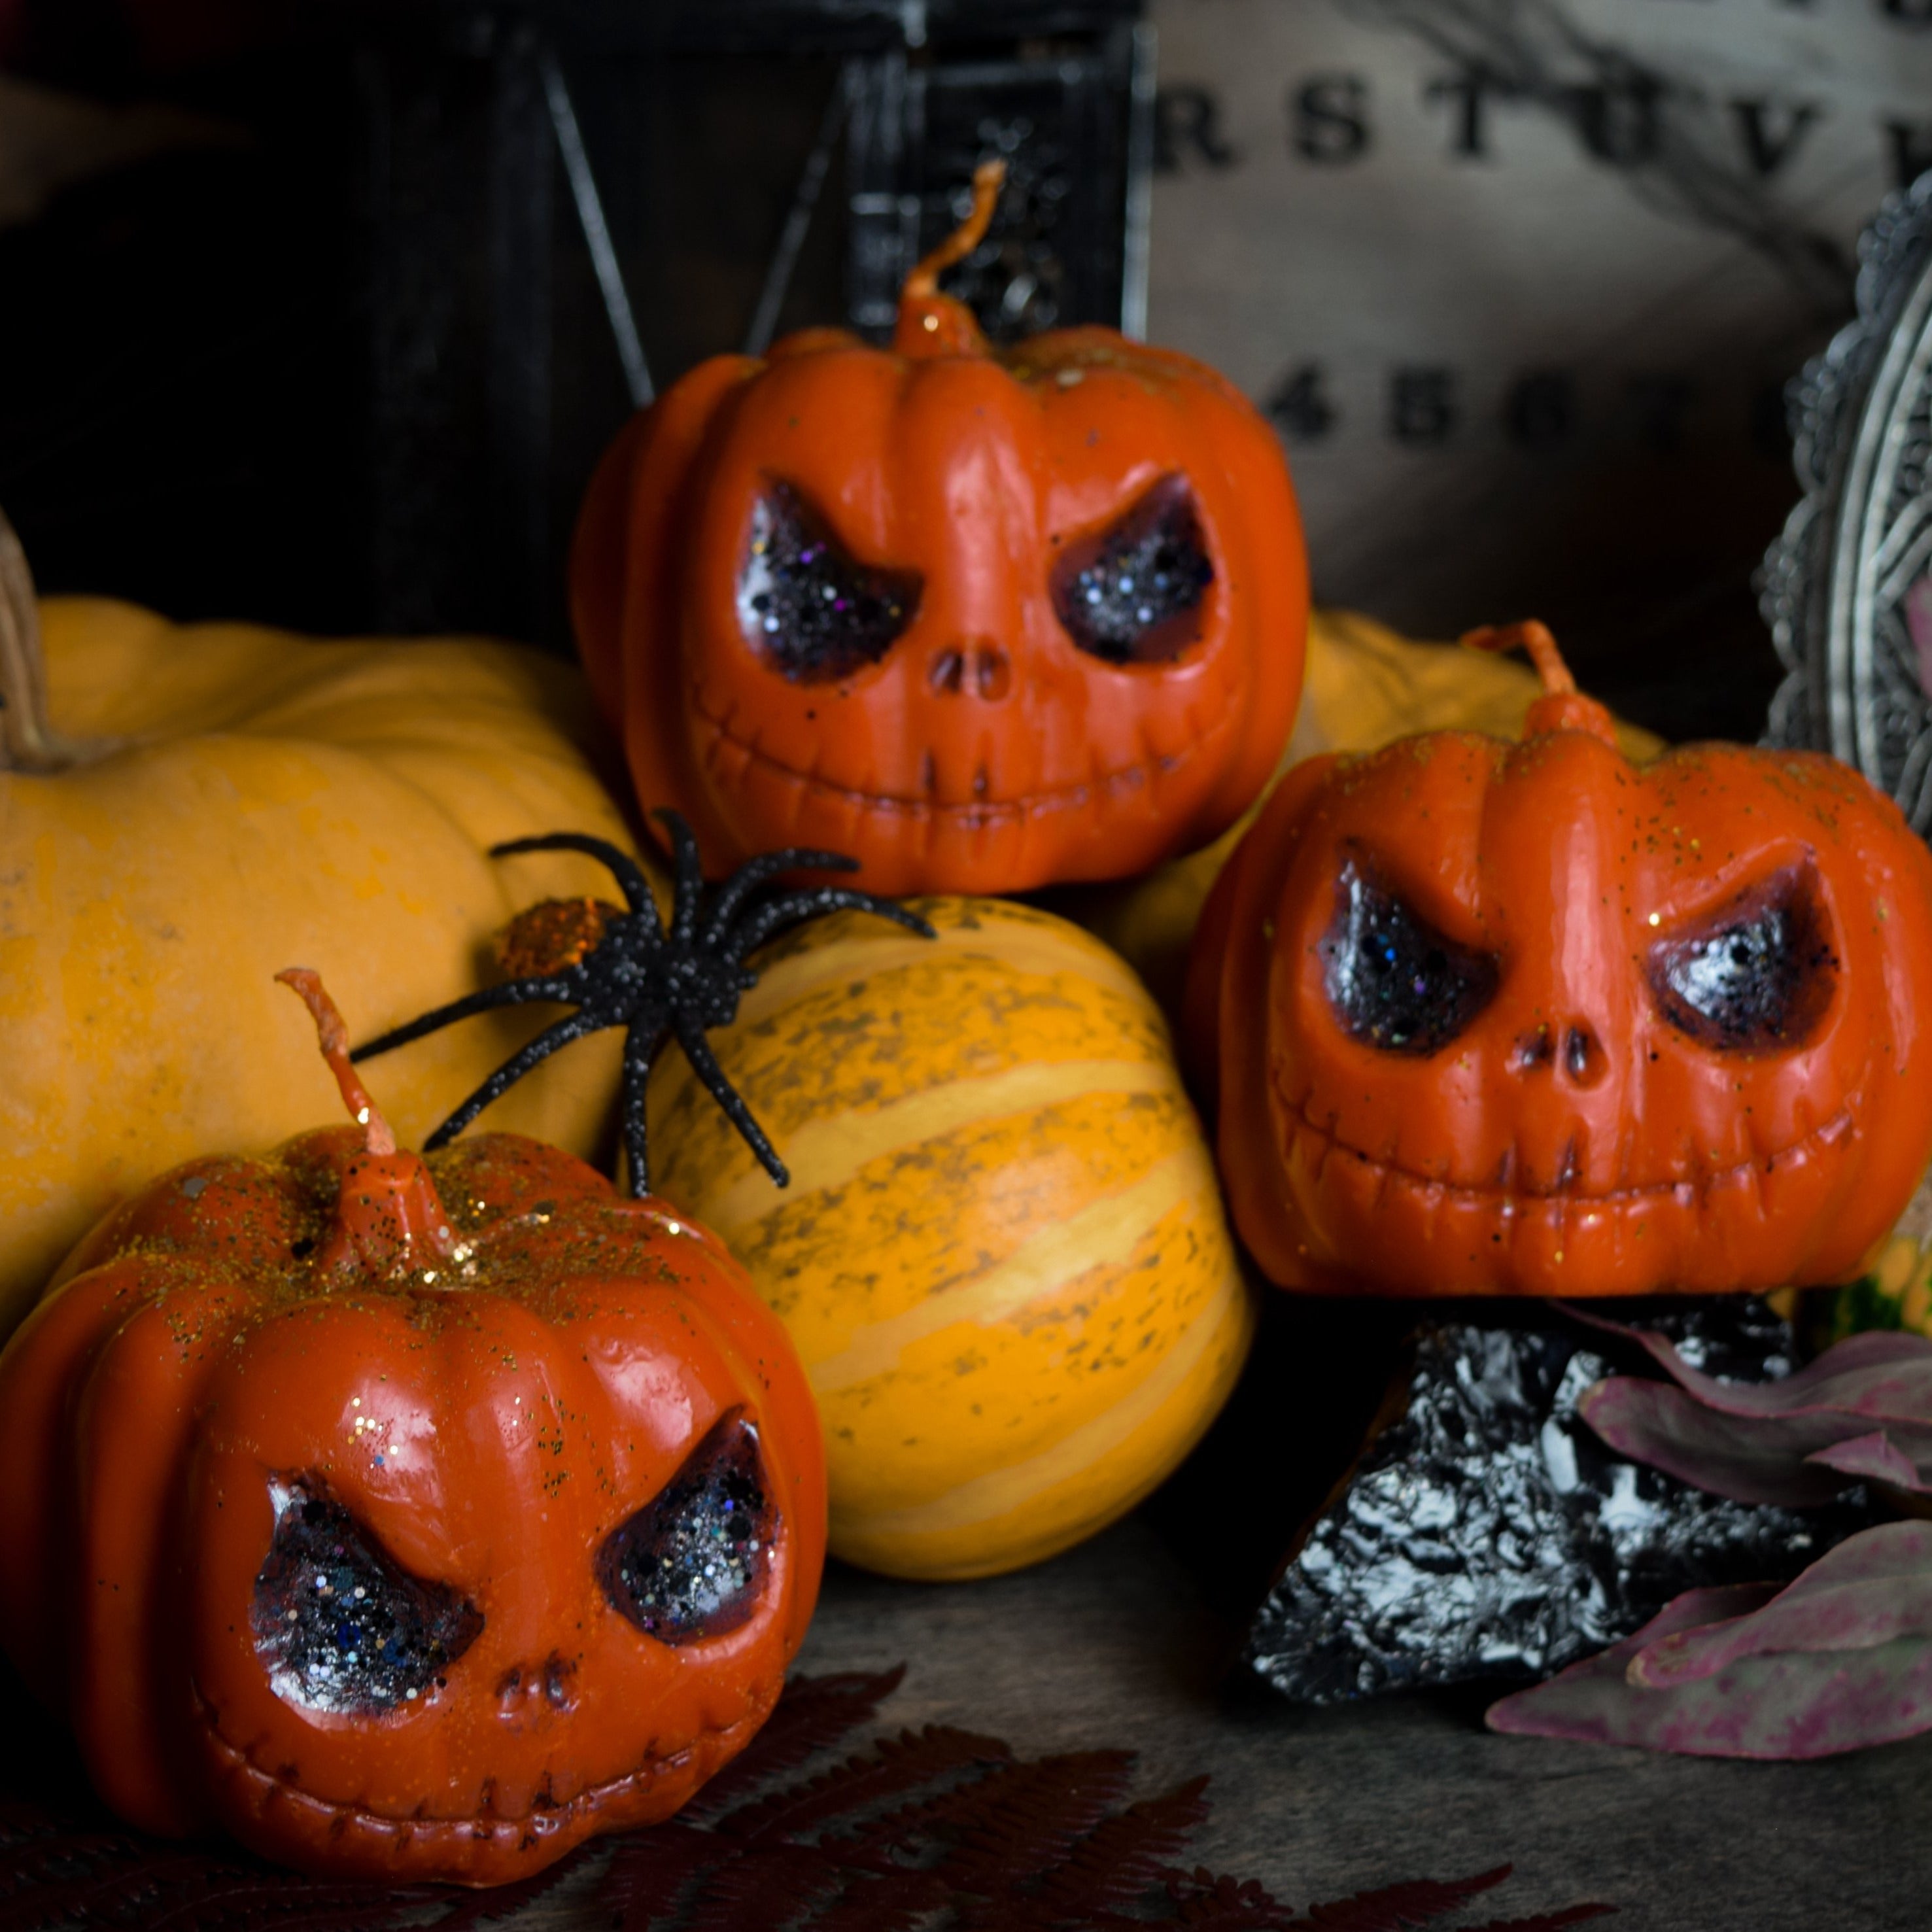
x: 1529, y: 1019
x: 984, y: 619
x: 407, y: 1518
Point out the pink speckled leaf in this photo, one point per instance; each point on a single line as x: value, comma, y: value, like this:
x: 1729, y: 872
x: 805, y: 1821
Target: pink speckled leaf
x: 1840, y: 1660
x: 1873, y: 1589
x: 1862, y: 1411
x: 1872, y: 1459
x: 1885, y: 1375
x: 1591, y: 1702
x: 1750, y: 1459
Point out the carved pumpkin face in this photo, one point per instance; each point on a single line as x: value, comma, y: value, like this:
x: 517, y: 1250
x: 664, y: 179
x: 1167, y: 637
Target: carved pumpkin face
x: 982, y: 620
x: 1532, y: 1019
x: 404, y: 1527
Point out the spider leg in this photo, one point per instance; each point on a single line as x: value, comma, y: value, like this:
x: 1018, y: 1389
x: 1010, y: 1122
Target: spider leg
x: 704, y: 1064
x: 559, y: 1033
x: 754, y: 872
x: 511, y: 993
x: 640, y: 1049
x: 688, y: 893
x: 622, y: 867
x: 762, y: 921
x: 799, y: 858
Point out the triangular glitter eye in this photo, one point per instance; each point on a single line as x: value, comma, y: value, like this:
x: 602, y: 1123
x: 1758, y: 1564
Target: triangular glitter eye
x: 692, y: 1563
x: 1394, y: 982
x: 340, y: 1625
x: 1756, y: 975
x: 1132, y: 594
x: 812, y: 610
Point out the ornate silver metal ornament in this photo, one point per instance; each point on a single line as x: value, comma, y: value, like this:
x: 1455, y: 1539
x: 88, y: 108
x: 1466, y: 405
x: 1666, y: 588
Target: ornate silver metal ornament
x: 1847, y: 587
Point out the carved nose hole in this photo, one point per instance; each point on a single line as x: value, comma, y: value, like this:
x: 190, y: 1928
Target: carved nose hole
x: 983, y: 669
x: 1584, y: 1059
x: 1575, y: 1048
x: 552, y: 1682
x: 1534, y: 1050
x: 993, y: 672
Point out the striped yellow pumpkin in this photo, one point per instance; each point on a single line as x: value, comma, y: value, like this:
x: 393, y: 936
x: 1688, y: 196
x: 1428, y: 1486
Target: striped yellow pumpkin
x: 1002, y: 1256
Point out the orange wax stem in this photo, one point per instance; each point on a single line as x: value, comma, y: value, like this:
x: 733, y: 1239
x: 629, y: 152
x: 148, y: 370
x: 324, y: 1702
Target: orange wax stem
x: 1562, y: 707
x: 988, y: 178
x: 931, y: 323
x: 334, y: 1035
x: 387, y: 1214
x: 1530, y: 636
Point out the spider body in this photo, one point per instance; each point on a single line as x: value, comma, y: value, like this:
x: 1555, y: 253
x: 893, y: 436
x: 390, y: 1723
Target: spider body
x: 625, y: 968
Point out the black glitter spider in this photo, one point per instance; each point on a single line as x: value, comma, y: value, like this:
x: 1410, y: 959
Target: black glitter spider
x: 629, y: 971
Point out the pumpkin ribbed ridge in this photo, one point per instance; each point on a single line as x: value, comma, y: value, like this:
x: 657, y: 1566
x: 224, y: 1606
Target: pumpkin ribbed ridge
x: 1003, y: 1257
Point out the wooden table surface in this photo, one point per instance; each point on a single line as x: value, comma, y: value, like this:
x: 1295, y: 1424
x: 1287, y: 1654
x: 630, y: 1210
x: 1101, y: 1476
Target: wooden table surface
x: 1111, y: 1646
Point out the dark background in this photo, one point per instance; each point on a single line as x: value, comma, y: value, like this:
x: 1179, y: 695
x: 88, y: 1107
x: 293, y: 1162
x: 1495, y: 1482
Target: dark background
x: 335, y: 355
x: 338, y: 359
x: 284, y: 374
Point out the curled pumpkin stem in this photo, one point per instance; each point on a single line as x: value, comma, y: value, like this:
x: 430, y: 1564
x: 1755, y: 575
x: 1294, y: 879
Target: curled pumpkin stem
x: 988, y: 178
x: 333, y: 1035
x: 1562, y: 707
x: 1535, y: 639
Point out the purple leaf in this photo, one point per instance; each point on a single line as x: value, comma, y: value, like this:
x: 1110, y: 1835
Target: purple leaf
x: 1694, y: 1609
x: 1884, y: 1374
x: 1750, y: 1461
x: 1789, y: 1442
x: 1586, y: 1701
x: 1760, y: 1703
x: 1875, y: 1458
x: 1873, y: 1589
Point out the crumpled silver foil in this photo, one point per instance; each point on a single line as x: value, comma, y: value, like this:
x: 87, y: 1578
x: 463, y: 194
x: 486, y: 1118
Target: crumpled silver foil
x: 1486, y: 1532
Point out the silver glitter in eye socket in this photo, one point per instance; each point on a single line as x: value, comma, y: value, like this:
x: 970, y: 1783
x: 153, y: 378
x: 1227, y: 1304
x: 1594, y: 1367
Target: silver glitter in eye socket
x: 692, y: 1563
x: 814, y: 611
x: 1132, y: 594
x: 1755, y: 976
x: 1394, y: 982
x: 341, y: 1626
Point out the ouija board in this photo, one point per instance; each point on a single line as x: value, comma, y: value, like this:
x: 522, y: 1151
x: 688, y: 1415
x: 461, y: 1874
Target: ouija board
x: 1522, y: 283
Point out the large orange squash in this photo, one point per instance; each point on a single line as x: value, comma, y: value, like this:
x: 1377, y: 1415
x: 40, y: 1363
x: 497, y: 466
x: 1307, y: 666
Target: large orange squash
x: 408, y: 1519
x: 1497, y: 1017
x: 1002, y: 1256
x: 983, y: 620
x: 209, y: 798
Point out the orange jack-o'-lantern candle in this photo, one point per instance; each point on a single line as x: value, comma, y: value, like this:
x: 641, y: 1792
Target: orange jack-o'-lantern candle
x: 409, y: 1518
x: 984, y: 619
x: 1528, y: 1018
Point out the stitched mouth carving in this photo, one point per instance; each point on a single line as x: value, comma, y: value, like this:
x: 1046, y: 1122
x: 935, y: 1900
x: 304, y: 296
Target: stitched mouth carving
x: 977, y: 810
x: 1506, y: 1195
x: 542, y: 1817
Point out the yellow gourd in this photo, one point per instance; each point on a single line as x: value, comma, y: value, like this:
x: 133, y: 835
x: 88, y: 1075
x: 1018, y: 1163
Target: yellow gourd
x: 184, y: 809
x: 1002, y: 1257
x: 1897, y: 1291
